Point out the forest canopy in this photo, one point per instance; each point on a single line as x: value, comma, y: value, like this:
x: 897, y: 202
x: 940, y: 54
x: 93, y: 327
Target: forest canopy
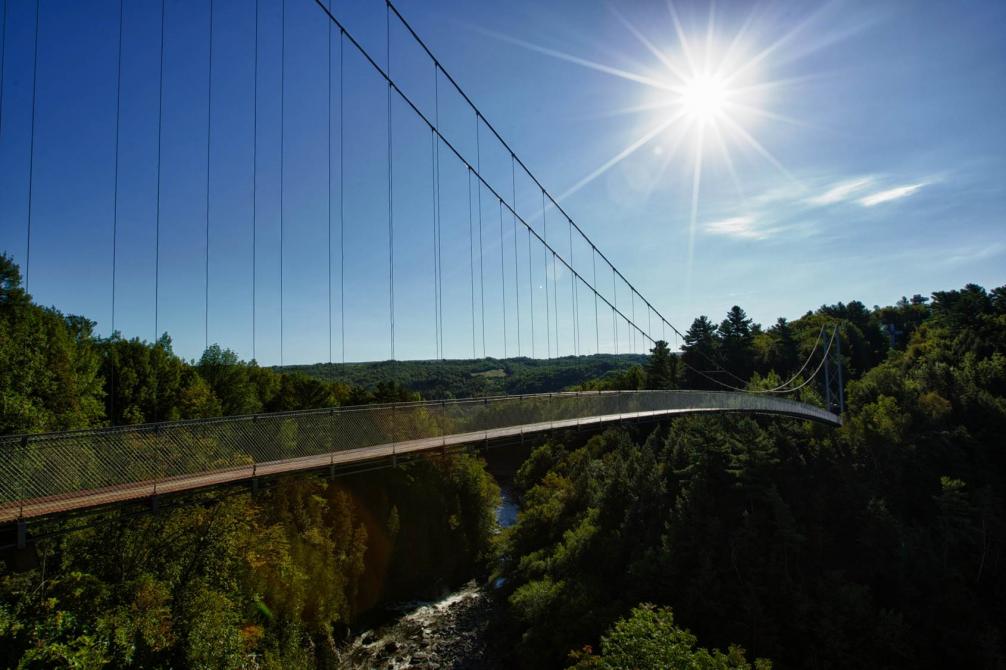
x: 880, y: 544
x: 714, y: 542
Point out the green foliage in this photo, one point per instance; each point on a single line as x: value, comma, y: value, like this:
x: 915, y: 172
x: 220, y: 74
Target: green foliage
x: 55, y: 374
x: 230, y: 382
x: 877, y: 545
x: 237, y: 581
x: 700, y: 354
x: 48, y: 364
x: 739, y: 351
x: 736, y: 342
x: 648, y: 639
x: 468, y: 378
x: 630, y: 379
x: 662, y: 369
x: 903, y: 319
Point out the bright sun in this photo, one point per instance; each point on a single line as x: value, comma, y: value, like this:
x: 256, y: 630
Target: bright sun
x: 704, y: 94
x: 704, y: 97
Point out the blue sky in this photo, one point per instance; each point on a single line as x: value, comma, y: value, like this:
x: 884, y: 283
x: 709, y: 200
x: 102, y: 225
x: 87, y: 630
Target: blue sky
x: 861, y: 156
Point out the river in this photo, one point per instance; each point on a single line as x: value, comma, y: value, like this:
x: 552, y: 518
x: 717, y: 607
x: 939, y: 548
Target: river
x: 447, y: 633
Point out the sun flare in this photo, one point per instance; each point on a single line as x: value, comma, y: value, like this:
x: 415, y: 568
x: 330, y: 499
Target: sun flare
x: 703, y: 98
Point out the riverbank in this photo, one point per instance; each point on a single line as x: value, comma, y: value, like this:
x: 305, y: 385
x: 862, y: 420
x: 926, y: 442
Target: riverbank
x: 453, y: 632
x: 449, y: 633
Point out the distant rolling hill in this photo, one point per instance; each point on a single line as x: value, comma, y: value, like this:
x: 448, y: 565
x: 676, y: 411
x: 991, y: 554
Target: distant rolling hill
x: 464, y: 378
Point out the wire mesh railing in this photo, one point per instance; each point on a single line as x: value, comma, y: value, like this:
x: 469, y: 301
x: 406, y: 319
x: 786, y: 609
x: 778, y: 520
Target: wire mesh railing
x: 50, y: 473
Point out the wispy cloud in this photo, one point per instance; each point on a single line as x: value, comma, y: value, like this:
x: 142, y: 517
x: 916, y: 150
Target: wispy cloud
x: 890, y: 194
x: 973, y: 254
x: 787, y: 211
x: 744, y: 227
x: 840, y: 191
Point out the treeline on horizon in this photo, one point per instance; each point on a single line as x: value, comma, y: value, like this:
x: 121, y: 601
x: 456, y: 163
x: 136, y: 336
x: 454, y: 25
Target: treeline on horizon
x: 57, y: 374
x: 460, y: 378
x: 738, y: 353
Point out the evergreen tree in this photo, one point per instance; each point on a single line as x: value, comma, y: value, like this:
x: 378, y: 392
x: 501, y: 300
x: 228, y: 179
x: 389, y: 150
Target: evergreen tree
x: 662, y: 369
x: 737, y: 343
x: 11, y: 293
x: 700, y: 354
x: 783, y: 356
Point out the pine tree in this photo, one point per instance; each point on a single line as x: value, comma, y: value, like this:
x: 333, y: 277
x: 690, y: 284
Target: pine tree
x: 662, y: 370
x: 784, y: 354
x: 700, y: 354
x: 737, y: 343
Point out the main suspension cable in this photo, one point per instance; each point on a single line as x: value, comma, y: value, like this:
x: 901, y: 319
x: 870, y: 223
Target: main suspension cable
x: 537, y: 182
x: 545, y: 193
x: 471, y: 169
x: 494, y: 131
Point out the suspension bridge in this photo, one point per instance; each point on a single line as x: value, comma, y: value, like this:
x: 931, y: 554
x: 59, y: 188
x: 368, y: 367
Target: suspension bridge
x: 297, y: 144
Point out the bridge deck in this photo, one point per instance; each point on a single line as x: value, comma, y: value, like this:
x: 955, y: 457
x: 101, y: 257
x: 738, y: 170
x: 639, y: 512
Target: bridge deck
x: 49, y: 474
